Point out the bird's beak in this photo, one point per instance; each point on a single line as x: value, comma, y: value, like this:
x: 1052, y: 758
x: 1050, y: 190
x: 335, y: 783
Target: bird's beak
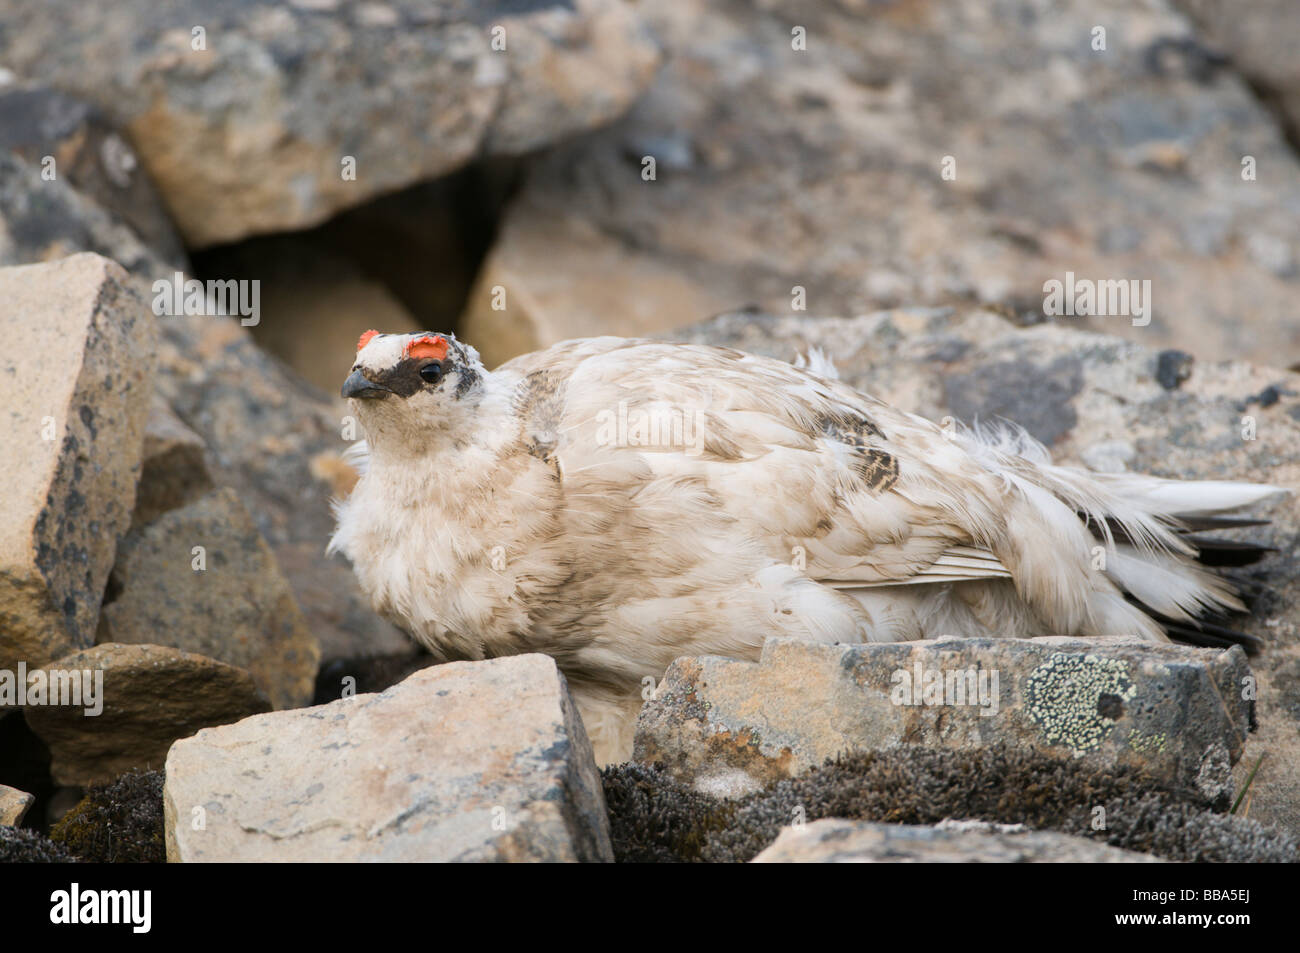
x: 360, y: 386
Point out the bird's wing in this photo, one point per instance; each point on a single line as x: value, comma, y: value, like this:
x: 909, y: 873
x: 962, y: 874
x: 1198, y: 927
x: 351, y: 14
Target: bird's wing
x: 803, y: 467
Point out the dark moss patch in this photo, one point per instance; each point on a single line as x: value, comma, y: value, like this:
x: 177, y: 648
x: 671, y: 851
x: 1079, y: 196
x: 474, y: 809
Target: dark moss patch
x: 117, y: 823
x: 18, y: 845
x: 655, y: 819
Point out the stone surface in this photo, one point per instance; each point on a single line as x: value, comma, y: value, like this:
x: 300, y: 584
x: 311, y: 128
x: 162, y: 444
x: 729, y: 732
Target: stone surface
x: 39, y: 124
x: 823, y: 169
x: 1261, y: 46
x: 834, y: 841
x: 74, y: 391
x: 249, y: 133
x: 1225, y: 421
x: 173, y: 469
x: 730, y: 727
x: 152, y: 695
x: 470, y: 761
x: 229, y: 602
x: 13, y: 805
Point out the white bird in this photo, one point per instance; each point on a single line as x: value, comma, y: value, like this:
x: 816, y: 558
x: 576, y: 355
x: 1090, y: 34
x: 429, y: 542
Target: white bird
x: 618, y: 503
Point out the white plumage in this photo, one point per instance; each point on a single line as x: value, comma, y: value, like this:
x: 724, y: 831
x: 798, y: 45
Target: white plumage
x: 618, y: 503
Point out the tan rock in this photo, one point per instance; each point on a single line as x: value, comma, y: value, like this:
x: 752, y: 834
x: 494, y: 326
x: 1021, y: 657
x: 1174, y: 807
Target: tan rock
x: 202, y: 579
x: 13, y: 805
x: 469, y: 761
x: 522, y: 302
x: 151, y: 696
x: 834, y: 841
x: 74, y: 395
x: 246, y: 127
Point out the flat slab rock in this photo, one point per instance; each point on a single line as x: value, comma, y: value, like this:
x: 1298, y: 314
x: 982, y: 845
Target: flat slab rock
x: 834, y: 841
x: 468, y: 761
x: 729, y: 727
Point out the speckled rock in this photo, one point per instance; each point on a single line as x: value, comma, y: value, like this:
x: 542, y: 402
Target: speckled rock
x: 729, y: 727
x: 173, y: 470
x: 1261, y: 46
x: 1224, y: 420
x: 67, y: 138
x: 151, y: 696
x: 469, y: 761
x: 244, y: 113
x: 74, y: 394
x: 834, y: 841
x: 927, y: 153
x: 202, y: 579
x: 13, y: 805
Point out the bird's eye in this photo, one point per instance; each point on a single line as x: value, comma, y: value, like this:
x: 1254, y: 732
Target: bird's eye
x: 431, y: 372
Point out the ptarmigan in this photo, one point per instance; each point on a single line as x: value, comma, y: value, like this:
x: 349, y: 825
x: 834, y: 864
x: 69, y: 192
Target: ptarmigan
x: 619, y: 503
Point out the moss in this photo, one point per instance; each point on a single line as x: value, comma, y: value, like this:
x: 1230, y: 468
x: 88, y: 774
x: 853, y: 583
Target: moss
x: 18, y: 845
x: 654, y: 818
x: 120, y: 822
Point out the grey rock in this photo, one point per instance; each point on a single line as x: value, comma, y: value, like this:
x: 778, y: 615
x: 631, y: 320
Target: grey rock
x: 202, y: 579
x: 823, y: 169
x: 1260, y: 45
x: 469, y: 761
x: 174, y: 469
x: 39, y: 124
x: 245, y: 129
x: 729, y: 727
x: 834, y: 841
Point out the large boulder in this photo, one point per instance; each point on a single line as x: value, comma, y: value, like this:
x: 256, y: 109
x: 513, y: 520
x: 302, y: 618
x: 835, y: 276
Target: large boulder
x: 470, y: 761
x: 246, y: 115
x: 75, y: 377
x: 932, y: 152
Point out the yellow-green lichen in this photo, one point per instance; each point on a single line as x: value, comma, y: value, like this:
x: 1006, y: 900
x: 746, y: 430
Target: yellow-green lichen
x: 1076, y: 699
x: 1147, y: 743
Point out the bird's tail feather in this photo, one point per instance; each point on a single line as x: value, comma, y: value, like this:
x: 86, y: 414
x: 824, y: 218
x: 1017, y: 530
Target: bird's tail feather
x: 1147, y: 525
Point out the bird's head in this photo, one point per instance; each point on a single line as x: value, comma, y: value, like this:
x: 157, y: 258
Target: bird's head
x: 407, y: 384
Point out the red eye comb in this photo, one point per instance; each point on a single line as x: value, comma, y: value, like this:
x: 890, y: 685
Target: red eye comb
x: 366, y: 338
x: 431, y: 345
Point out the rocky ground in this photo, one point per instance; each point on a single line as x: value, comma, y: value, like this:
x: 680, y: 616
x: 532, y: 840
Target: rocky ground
x: 168, y: 478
